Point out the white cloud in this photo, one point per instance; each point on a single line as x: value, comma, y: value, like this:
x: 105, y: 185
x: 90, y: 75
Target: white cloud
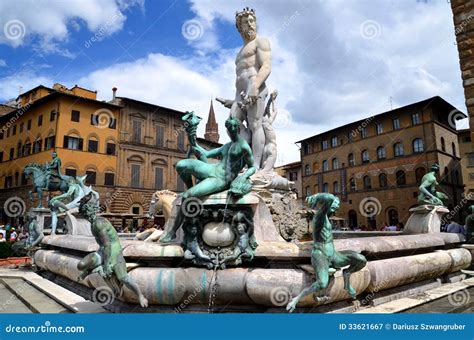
x: 327, y: 72
x: 336, y: 62
x: 45, y: 24
x: 3, y: 63
x: 11, y: 86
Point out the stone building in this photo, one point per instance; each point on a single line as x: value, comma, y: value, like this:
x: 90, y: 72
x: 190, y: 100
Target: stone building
x: 151, y: 140
x: 375, y: 165
x: 292, y: 172
x: 61, y: 120
x: 467, y: 163
x: 127, y: 148
x: 463, y: 17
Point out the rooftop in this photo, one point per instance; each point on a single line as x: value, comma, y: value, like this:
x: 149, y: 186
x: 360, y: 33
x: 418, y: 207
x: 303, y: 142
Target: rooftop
x: 424, y: 103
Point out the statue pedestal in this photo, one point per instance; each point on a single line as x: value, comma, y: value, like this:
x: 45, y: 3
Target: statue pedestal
x: 40, y: 214
x: 425, y: 219
x: 77, y: 225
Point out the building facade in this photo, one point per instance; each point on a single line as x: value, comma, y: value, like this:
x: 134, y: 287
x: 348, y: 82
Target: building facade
x: 127, y: 148
x: 467, y: 163
x: 376, y: 165
x: 151, y: 141
x: 292, y: 172
x: 463, y: 17
x: 58, y: 120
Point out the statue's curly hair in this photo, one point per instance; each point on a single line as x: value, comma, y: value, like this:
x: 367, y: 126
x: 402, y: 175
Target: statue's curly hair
x: 244, y: 13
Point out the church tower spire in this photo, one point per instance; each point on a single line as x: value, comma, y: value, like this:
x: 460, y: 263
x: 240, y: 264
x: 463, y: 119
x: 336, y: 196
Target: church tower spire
x: 212, y: 131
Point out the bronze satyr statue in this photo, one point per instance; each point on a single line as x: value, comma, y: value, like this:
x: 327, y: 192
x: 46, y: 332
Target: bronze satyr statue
x: 324, y: 256
x: 108, y: 261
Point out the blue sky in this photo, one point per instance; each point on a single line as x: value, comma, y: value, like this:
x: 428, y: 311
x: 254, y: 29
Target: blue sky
x: 333, y: 61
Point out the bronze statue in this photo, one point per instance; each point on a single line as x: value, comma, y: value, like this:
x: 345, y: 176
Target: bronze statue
x: 246, y: 244
x: 214, y: 177
x: 324, y: 256
x: 192, y: 227
x: 428, y: 193
x: 108, y: 261
x: 46, y: 178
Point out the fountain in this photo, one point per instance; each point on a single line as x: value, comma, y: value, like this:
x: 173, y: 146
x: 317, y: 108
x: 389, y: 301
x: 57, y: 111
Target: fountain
x: 222, y: 248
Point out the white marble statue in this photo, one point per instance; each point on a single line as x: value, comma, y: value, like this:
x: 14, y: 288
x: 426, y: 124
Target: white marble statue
x: 253, y: 66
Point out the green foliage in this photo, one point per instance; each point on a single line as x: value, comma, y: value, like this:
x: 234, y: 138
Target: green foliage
x: 7, y: 251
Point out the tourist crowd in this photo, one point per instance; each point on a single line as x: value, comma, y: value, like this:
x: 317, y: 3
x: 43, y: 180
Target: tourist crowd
x: 12, y: 233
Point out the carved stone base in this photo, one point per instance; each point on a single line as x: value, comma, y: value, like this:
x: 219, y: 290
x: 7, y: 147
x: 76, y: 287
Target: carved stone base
x: 425, y: 219
x: 40, y: 214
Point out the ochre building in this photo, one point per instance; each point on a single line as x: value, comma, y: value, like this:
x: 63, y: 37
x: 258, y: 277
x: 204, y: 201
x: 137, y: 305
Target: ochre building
x: 375, y: 165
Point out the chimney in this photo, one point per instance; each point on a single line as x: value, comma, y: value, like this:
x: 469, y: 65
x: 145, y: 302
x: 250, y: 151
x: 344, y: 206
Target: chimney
x: 114, y: 92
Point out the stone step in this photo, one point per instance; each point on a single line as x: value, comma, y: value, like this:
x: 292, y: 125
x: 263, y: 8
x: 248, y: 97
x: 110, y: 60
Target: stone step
x: 10, y: 303
x: 35, y: 300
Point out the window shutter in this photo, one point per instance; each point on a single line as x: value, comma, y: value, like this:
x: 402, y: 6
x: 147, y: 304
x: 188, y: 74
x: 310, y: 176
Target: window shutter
x: 66, y: 139
x: 81, y: 143
x: 158, y: 178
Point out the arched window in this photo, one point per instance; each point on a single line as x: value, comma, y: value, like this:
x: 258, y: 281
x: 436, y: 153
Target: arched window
x: 37, y: 145
x: 352, y: 217
x: 19, y: 151
x: 380, y: 153
x: 365, y: 156
x: 419, y: 173
x: 335, y: 187
x: 443, y: 145
x: 325, y: 166
x: 351, y: 159
x: 398, y: 149
x: 325, y: 187
x: 401, y: 178
x: 383, y: 183
x: 393, y: 217
x: 307, y: 170
x: 418, y: 146
x: 453, y: 146
x: 367, y: 182
x: 352, y: 184
x: 308, y: 191
x: 335, y: 164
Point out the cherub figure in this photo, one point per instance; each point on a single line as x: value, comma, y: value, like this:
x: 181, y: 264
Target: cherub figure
x: 108, y: 261
x: 192, y: 227
x: 246, y: 244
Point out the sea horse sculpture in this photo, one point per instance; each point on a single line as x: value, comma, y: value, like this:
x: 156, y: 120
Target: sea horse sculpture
x: 324, y: 256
